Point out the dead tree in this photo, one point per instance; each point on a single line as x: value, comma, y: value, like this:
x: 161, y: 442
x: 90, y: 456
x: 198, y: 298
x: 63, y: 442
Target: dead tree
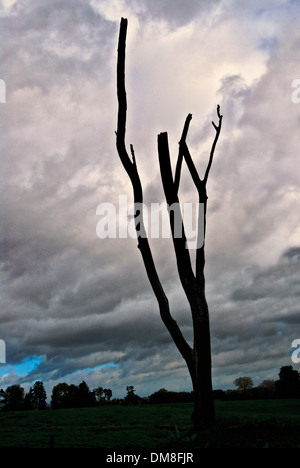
x: 198, y: 357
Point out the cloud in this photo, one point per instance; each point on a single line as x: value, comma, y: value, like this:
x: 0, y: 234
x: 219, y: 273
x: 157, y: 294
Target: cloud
x: 78, y: 302
x: 276, y: 282
x: 174, y: 12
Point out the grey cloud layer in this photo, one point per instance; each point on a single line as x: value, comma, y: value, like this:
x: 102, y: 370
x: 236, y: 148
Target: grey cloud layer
x: 82, y: 302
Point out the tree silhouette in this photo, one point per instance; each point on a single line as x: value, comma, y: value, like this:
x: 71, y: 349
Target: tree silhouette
x: 107, y: 394
x: 99, y: 391
x: 131, y: 397
x: 72, y: 396
x: 85, y: 396
x: 288, y: 385
x: 39, y: 395
x: 198, y: 357
x: 13, y: 398
x: 59, y: 395
x: 243, y: 383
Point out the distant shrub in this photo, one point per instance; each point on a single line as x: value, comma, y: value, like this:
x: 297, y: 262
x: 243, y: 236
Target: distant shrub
x: 164, y: 396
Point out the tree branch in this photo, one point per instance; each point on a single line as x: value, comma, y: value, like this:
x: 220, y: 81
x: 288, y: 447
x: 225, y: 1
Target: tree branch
x: 192, y: 168
x: 180, y: 152
x: 132, y: 155
x: 177, y: 228
x: 122, y: 100
x: 131, y: 169
x: 218, y: 130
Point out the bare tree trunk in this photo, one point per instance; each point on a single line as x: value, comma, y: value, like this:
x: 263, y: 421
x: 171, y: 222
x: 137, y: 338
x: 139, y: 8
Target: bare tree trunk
x: 198, y: 358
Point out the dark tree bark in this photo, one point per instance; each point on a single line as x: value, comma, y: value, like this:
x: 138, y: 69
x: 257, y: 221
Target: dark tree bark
x: 198, y: 357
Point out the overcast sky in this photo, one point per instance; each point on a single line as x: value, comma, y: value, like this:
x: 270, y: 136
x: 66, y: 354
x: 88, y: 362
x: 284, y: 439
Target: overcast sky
x: 76, y: 307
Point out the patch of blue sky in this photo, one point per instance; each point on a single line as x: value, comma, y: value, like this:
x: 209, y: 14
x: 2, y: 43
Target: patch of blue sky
x: 24, y: 367
x: 268, y: 43
x: 270, y: 18
x: 279, y: 11
x: 101, y: 366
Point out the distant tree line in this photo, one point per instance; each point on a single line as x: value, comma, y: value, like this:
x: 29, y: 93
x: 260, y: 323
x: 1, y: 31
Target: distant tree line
x: 14, y: 398
x: 73, y: 396
x: 287, y: 386
x: 165, y: 396
x: 63, y: 396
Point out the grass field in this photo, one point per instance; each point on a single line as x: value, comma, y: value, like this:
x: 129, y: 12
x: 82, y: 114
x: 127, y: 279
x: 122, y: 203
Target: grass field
x: 239, y: 424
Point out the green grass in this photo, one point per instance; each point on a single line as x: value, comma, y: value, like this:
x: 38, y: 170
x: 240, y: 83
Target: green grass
x: 239, y: 424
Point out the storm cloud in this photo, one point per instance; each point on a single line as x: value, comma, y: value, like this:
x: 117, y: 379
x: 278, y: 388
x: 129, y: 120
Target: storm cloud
x: 81, y: 307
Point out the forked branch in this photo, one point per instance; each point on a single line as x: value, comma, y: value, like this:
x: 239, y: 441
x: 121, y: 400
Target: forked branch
x: 185, y: 153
